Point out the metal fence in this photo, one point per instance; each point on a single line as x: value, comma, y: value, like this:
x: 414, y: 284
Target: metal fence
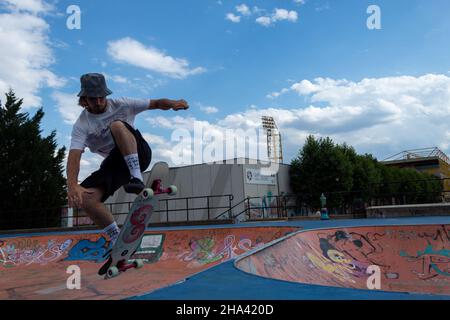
x: 217, y: 207
x: 170, y: 210
x: 339, y: 202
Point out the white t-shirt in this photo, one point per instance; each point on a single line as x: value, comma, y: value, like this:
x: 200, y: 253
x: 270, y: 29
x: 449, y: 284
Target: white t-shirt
x: 92, y: 130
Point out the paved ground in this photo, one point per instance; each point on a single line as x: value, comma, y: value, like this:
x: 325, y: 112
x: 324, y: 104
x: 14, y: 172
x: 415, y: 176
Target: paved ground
x: 200, y: 262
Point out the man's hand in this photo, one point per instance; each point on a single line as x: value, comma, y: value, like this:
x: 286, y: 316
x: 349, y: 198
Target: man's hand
x: 166, y: 104
x: 180, y: 105
x: 75, y: 195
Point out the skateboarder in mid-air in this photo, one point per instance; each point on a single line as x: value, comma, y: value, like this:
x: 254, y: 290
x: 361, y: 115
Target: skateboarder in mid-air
x: 106, y: 127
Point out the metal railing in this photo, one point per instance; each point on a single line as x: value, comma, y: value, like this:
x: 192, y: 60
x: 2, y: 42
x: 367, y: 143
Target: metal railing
x: 340, y: 202
x: 272, y: 207
x: 279, y: 206
x: 187, y: 209
x: 60, y: 217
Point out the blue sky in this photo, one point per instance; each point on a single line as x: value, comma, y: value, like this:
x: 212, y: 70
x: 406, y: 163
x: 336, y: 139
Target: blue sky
x: 313, y: 65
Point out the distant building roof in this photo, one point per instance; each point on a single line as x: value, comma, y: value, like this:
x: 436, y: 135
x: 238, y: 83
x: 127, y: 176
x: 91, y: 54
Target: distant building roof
x: 419, y: 154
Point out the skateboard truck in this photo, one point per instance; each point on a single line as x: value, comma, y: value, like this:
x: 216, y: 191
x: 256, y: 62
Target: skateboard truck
x: 157, y: 188
x: 123, y: 266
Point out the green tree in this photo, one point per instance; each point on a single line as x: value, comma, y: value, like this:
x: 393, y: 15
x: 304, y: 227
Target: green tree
x: 366, y: 175
x: 321, y: 168
x: 353, y: 181
x: 407, y: 186
x: 31, y: 170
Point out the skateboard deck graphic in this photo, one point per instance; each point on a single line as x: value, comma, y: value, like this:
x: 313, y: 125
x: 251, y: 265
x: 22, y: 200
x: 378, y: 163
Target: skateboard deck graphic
x: 133, y: 229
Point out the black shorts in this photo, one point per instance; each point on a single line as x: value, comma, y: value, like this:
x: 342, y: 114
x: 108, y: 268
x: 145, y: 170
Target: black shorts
x: 114, y: 172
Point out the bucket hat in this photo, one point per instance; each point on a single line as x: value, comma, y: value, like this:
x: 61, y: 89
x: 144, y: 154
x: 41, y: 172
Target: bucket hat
x: 93, y: 85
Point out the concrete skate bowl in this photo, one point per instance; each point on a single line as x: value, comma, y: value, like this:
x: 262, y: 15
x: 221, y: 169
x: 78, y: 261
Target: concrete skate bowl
x: 411, y: 259
x: 35, y: 266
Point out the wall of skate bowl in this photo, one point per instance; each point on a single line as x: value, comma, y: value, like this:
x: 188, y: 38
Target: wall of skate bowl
x: 35, y: 266
x: 414, y: 259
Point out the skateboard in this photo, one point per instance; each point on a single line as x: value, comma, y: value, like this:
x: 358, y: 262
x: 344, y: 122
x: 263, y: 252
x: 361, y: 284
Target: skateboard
x: 133, y: 229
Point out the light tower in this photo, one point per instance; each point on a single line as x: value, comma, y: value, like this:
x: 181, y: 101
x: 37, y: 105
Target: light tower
x: 274, y: 147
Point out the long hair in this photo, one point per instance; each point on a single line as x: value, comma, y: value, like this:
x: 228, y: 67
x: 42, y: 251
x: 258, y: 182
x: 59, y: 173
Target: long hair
x: 82, y: 101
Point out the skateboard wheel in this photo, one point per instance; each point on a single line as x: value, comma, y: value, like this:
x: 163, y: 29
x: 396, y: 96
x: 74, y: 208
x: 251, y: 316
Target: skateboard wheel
x: 173, y: 190
x: 147, y: 193
x: 138, y: 263
x: 112, y: 272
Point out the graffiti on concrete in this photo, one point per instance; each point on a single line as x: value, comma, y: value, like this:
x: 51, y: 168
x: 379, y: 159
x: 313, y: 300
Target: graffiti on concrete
x: 432, y: 262
x: 29, y: 251
x: 353, y: 252
x: 434, y: 259
x: 345, y: 255
x: 341, y: 269
x: 267, y: 207
x: 357, y: 246
x: 203, y: 251
x: 88, y: 250
x: 207, y: 250
x: 407, y: 256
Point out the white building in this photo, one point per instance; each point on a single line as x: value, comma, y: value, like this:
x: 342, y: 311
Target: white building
x: 231, y: 180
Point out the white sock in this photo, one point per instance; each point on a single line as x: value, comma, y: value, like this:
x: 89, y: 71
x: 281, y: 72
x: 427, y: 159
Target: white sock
x: 132, y: 161
x: 112, y: 231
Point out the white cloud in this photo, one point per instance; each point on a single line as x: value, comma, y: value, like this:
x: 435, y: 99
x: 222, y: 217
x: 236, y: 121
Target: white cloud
x: 115, y: 78
x: 381, y: 116
x: 283, y: 14
x: 160, y: 149
x: 130, y: 51
x: 119, y: 79
x: 324, y: 7
x: 233, y: 18
x: 201, y: 134
x: 243, y: 9
x: 89, y: 163
x: 257, y: 10
x: 264, y: 21
x: 26, y: 54
x: 263, y: 18
x: 154, y: 139
x: 278, y: 15
x: 171, y: 123
x: 274, y: 95
x: 209, y: 109
x: 67, y: 106
x: 30, y: 6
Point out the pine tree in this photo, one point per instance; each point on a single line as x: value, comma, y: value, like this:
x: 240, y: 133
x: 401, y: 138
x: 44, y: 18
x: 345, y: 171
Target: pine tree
x: 32, y: 187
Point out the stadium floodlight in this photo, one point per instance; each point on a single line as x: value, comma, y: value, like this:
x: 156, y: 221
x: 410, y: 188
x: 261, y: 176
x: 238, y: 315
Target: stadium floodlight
x: 274, y: 146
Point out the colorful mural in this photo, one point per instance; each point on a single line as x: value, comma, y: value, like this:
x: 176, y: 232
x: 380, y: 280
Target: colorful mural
x: 266, y: 207
x: 411, y: 258
x: 34, y: 267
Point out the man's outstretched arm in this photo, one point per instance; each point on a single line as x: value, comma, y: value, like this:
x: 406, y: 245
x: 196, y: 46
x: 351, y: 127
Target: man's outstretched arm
x: 167, y: 104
